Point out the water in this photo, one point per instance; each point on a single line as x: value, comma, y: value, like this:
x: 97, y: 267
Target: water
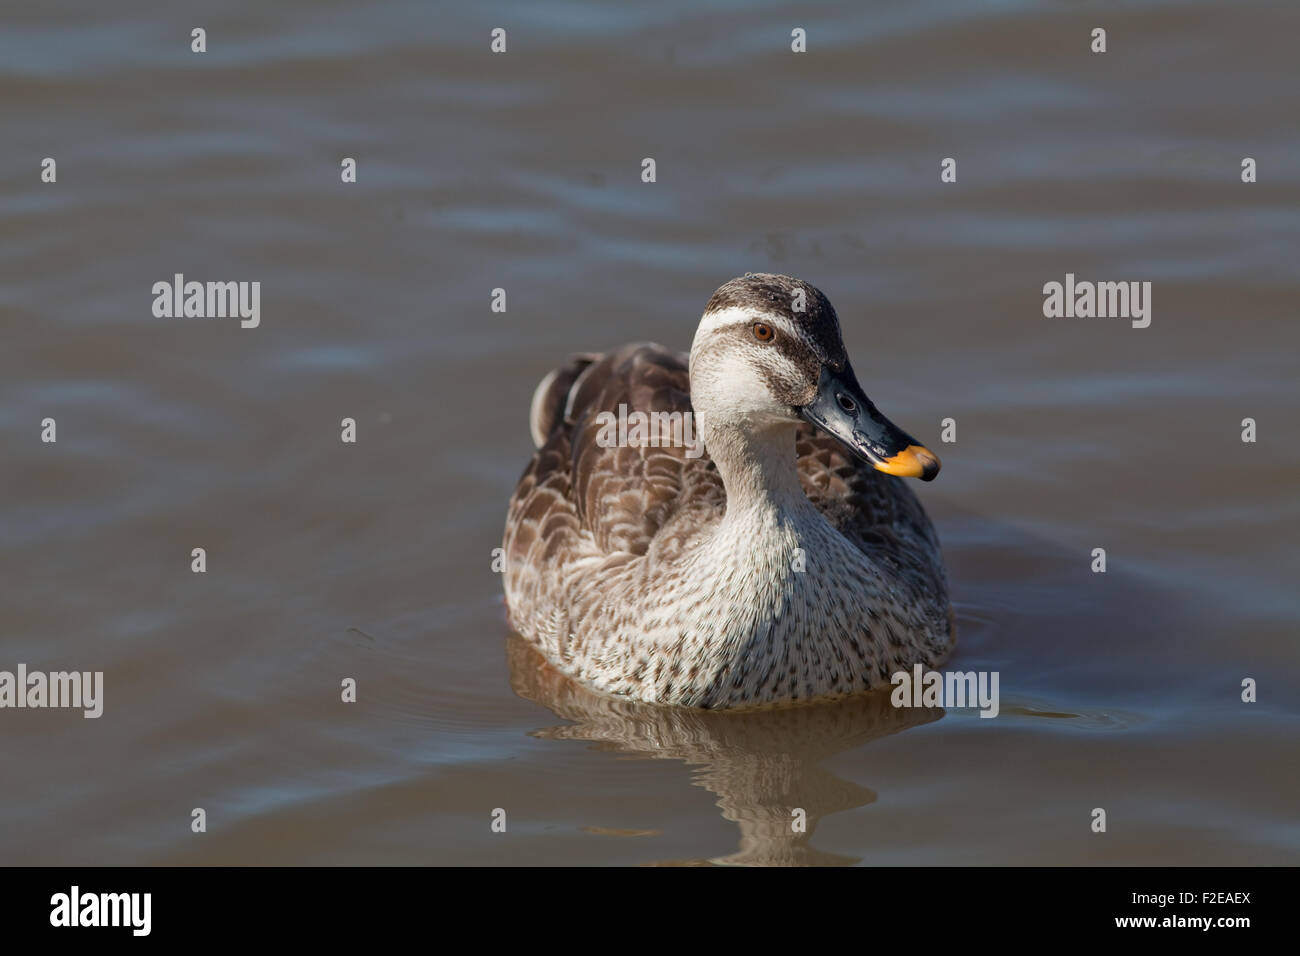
x: 372, y: 561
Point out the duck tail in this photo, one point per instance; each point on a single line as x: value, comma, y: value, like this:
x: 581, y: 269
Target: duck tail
x: 552, y: 395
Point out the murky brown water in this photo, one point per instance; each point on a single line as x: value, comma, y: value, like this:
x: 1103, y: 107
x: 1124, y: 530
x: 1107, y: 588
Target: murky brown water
x: 522, y: 171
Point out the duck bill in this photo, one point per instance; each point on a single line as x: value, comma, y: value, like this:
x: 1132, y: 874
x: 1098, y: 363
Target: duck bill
x: 843, y: 410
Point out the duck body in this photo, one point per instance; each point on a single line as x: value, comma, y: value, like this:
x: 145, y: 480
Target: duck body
x: 779, y: 565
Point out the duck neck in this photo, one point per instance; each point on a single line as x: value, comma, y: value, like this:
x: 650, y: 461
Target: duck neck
x: 757, y: 466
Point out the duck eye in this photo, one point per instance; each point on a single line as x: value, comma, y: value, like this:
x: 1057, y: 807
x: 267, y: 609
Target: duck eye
x: 763, y: 332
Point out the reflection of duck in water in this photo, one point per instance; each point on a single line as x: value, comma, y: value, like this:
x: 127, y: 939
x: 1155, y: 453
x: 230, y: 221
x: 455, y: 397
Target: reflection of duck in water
x: 785, y: 564
x: 762, y: 764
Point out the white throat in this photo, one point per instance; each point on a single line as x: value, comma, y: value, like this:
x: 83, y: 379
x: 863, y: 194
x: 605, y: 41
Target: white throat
x: 757, y: 466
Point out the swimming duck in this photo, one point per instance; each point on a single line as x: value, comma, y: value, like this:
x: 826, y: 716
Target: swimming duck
x: 783, y: 561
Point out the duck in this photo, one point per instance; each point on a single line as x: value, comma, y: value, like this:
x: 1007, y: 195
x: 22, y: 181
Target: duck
x: 780, y: 558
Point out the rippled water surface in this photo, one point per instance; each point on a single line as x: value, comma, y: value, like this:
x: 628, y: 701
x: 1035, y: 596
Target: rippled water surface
x: 522, y: 171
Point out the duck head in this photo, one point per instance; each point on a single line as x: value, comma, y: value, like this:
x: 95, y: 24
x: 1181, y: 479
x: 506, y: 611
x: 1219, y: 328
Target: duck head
x: 768, y: 353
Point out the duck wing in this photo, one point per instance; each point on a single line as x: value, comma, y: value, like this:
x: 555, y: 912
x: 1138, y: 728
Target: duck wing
x: 877, y: 512
x: 579, y: 497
